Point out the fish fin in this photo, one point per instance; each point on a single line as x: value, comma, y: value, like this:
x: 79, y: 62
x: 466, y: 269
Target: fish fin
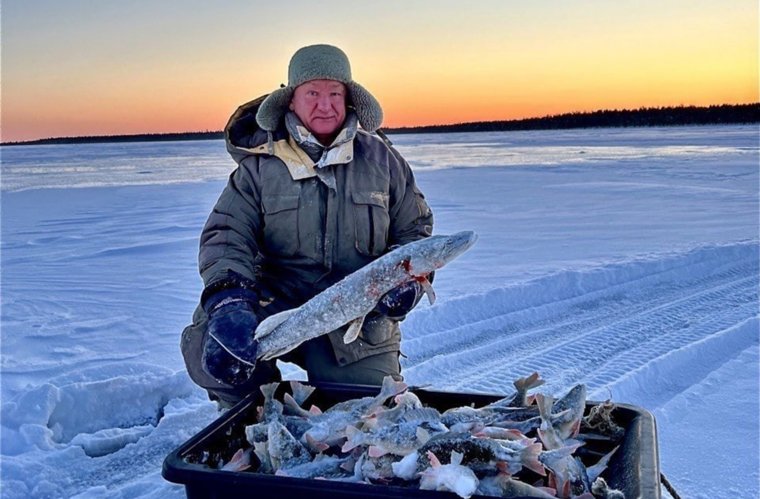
x: 513, y: 434
x: 551, y: 482
x: 376, y: 451
x: 353, y: 438
x: 597, y: 469
x: 270, y: 323
x: 240, y: 461
x: 353, y: 330
x: 348, y: 465
x: 576, y: 428
x: 428, y: 289
x: 316, y: 411
x: 544, y: 403
x: 315, y: 444
x: 456, y: 457
x: 434, y: 461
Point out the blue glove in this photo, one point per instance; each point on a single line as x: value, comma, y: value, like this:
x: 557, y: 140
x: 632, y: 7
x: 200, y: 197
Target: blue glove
x: 399, y: 301
x: 229, y: 353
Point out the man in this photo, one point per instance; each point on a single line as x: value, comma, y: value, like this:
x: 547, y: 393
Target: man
x: 314, y: 198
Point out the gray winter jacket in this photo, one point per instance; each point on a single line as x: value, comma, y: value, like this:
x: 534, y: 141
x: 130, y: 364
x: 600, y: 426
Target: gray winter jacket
x: 295, y: 229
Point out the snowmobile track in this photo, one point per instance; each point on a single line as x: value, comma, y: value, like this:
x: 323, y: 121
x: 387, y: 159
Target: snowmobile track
x: 609, y: 331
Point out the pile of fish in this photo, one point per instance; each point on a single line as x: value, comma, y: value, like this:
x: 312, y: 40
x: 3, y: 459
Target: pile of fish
x: 519, y: 446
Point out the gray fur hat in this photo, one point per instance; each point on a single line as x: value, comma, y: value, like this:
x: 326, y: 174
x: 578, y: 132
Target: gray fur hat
x: 320, y: 62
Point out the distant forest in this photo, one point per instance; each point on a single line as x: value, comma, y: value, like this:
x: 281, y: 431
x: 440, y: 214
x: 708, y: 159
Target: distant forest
x: 650, y: 116
x: 643, y: 117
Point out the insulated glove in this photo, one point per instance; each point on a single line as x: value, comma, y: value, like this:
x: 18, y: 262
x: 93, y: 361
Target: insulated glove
x: 229, y: 352
x: 399, y: 301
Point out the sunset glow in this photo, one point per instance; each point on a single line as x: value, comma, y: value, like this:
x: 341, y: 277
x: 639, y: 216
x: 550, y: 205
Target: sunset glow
x: 97, y: 68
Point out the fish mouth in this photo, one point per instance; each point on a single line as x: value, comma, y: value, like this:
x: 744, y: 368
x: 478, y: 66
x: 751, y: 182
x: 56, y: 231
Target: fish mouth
x: 460, y: 242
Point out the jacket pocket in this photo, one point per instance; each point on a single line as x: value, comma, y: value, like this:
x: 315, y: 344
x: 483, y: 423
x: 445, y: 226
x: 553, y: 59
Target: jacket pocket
x: 281, y: 224
x: 372, y: 222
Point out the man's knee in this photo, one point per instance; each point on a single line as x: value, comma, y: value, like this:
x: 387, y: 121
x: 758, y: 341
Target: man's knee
x: 321, y: 365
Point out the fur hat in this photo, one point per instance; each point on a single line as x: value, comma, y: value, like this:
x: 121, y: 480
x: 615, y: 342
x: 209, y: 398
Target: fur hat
x: 320, y: 62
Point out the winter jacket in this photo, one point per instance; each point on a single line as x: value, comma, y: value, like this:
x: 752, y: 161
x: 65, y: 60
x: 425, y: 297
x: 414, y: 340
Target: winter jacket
x: 295, y: 228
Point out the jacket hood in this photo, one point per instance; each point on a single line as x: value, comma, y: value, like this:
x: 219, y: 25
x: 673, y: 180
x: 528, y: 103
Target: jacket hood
x: 242, y: 134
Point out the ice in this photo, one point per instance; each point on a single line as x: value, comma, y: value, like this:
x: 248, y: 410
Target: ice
x: 626, y: 259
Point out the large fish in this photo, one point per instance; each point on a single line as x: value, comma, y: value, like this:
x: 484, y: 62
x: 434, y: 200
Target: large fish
x: 351, y: 299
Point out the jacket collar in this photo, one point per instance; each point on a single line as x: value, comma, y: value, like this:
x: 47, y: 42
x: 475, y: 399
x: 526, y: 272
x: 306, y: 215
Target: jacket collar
x: 294, y: 150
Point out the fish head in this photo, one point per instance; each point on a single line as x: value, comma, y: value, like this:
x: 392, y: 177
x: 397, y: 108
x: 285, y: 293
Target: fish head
x: 575, y: 401
x: 434, y: 252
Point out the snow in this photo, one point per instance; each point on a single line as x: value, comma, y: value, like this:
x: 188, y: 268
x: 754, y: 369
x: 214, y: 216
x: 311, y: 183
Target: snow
x: 626, y: 259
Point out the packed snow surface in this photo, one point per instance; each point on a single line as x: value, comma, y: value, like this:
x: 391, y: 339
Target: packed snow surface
x: 626, y: 259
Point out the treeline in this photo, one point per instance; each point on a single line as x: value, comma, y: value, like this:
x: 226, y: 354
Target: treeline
x: 142, y: 137
x: 643, y: 117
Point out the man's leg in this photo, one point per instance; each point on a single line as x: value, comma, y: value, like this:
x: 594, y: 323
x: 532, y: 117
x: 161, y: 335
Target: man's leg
x: 318, y: 358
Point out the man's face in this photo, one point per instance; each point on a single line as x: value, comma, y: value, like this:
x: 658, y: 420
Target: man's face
x: 321, y: 106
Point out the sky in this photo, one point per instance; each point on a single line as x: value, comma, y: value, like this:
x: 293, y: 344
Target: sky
x: 84, y: 67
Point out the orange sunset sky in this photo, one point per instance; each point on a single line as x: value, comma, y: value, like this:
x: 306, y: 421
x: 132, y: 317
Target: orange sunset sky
x: 81, y: 67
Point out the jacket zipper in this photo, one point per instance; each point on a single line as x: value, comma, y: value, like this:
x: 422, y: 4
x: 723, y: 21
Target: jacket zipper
x: 371, y: 232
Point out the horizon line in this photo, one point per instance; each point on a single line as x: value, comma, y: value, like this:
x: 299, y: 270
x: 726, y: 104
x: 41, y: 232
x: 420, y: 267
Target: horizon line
x: 402, y: 129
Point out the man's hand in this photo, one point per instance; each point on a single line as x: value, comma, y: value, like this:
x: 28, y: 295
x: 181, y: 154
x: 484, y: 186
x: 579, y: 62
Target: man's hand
x: 399, y: 301
x: 229, y: 353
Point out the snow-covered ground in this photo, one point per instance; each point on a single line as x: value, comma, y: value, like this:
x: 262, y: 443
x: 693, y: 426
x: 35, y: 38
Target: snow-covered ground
x: 626, y: 259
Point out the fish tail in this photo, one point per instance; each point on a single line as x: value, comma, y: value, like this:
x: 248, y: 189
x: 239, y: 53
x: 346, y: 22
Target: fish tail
x: 289, y: 402
x: 268, y: 390
x: 530, y: 458
x: 391, y: 388
x: 528, y: 382
x: 300, y: 391
x: 269, y: 324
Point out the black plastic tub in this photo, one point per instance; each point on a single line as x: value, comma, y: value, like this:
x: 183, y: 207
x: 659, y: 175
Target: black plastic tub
x: 633, y: 469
